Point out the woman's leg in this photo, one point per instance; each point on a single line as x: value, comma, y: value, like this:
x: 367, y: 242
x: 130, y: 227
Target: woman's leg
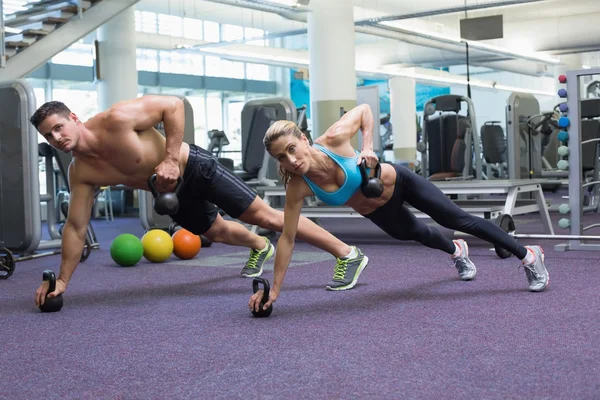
x: 426, y: 197
x: 397, y: 221
x: 401, y: 224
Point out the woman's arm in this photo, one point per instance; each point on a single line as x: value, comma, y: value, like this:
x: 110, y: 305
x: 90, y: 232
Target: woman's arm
x: 359, y: 118
x: 294, y: 199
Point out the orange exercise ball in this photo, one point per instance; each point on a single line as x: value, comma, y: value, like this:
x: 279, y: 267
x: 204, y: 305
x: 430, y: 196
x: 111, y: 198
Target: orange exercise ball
x: 186, y: 245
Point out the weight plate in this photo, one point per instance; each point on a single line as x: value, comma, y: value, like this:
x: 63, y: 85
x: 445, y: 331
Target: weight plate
x: 506, y: 222
x: 7, y: 263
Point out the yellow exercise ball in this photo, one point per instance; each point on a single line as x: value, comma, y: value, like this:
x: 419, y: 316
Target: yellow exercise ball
x: 158, y: 245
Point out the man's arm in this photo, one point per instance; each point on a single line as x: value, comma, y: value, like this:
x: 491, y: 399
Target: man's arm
x: 147, y: 111
x: 360, y: 117
x: 75, y: 229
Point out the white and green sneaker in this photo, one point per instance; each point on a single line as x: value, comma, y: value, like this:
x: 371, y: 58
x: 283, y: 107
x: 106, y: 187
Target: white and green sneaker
x: 347, y: 271
x: 254, y: 265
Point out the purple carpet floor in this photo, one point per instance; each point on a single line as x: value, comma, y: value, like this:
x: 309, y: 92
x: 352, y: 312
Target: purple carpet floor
x: 409, y: 330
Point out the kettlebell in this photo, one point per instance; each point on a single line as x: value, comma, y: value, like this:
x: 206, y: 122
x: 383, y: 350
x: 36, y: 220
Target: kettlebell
x: 262, y: 313
x: 51, y: 304
x: 371, y: 187
x: 165, y: 203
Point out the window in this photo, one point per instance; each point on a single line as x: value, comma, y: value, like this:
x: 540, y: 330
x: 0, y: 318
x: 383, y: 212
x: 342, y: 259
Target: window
x: 232, y: 69
x: 234, y: 131
x: 258, y: 72
x: 170, y: 25
x: 216, y: 66
x: 211, y: 31
x: 250, y: 33
x: 213, y: 66
x: 232, y: 32
x: 192, y: 29
x: 180, y: 62
x: 214, y: 112
x: 40, y: 96
x: 76, y: 54
x: 84, y: 103
x: 145, y: 22
x: 200, y: 132
x: 147, y: 60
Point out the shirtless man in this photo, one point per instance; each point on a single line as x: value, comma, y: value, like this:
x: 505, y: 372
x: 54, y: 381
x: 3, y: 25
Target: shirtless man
x: 121, y: 146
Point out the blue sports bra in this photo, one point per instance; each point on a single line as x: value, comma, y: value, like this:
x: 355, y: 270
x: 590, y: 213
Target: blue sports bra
x: 351, y: 183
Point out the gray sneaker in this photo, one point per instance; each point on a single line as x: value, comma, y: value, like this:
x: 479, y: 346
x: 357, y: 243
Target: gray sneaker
x: 347, y: 271
x: 537, y: 274
x: 254, y: 265
x: 466, y: 268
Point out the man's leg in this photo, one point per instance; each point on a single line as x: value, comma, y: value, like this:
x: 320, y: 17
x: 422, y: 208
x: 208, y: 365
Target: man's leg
x: 350, y: 260
x: 236, y: 234
x: 261, y: 214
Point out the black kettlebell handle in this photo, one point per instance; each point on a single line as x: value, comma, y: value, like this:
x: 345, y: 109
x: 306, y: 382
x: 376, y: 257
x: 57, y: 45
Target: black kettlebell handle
x: 363, y: 171
x: 53, y: 304
x: 262, y: 313
x: 51, y: 278
x: 152, y: 185
x: 266, y: 289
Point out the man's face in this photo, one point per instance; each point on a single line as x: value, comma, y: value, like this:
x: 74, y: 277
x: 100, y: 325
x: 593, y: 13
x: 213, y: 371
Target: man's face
x: 60, y: 132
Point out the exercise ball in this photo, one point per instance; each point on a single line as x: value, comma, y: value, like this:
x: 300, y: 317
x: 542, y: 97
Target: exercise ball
x: 564, y: 208
x: 563, y: 165
x: 563, y: 122
x: 563, y: 136
x: 158, y: 245
x: 563, y: 151
x: 126, y: 250
x: 562, y: 93
x: 186, y: 245
x: 564, y: 223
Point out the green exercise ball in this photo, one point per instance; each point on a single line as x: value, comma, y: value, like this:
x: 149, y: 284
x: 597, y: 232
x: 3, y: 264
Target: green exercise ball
x: 563, y: 165
x: 563, y: 151
x: 564, y: 208
x: 564, y: 223
x: 126, y: 250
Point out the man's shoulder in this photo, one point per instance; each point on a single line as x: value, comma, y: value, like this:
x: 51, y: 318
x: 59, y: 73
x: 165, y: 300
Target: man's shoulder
x: 78, y: 171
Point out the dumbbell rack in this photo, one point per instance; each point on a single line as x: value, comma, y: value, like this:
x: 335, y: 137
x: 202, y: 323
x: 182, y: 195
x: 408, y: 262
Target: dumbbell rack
x: 573, y: 113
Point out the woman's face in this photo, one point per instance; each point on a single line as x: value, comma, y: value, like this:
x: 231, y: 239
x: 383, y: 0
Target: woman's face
x: 292, y: 153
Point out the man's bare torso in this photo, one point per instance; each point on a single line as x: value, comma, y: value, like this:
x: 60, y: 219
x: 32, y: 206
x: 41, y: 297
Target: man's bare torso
x: 122, y: 156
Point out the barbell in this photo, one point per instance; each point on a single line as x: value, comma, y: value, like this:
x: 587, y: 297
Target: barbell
x: 8, y: 260
x: 506, y: 222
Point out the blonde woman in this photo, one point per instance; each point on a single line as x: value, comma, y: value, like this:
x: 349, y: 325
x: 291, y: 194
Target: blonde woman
x: 329, y: 170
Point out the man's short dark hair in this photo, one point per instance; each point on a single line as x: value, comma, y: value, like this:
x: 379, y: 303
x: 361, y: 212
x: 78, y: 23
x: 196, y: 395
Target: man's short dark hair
x: 48, y: 109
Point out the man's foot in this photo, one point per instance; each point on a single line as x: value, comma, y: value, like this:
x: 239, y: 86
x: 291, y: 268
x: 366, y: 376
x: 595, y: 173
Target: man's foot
x: 254, y: 265
x: 347, y: 271
x: 537, y: 274
x: 466, y: 269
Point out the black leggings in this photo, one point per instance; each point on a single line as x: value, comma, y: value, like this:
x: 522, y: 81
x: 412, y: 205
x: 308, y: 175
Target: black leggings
x: 397, y: 220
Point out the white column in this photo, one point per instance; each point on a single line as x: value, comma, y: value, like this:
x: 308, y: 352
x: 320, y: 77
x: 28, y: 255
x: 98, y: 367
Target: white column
x: 332, y: 71
x: 568, y: 62
x: 116, y: 59
x: 403, y: 108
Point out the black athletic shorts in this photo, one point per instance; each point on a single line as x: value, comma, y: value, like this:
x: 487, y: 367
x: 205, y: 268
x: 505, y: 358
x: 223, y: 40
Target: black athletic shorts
x: 207, y: 187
